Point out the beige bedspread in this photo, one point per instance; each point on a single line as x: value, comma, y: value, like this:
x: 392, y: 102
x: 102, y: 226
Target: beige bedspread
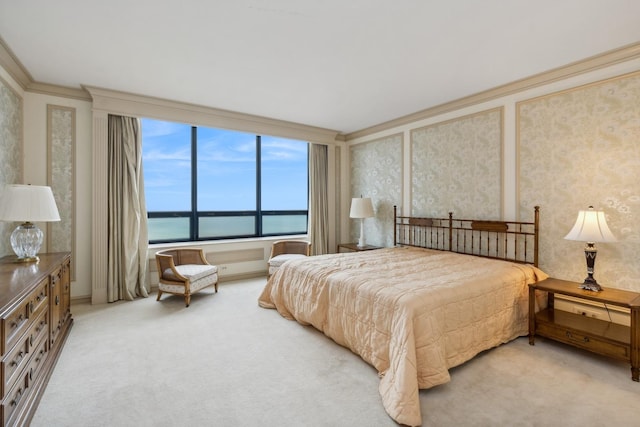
x: 411, y: 313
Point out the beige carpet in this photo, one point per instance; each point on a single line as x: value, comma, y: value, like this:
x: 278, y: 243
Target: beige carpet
x: 224, y: 361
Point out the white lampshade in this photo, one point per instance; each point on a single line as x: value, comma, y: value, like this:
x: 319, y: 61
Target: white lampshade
x: 27, y: 204
x: 361, y: 208
x: 31, y: 203
x: 591, y: 226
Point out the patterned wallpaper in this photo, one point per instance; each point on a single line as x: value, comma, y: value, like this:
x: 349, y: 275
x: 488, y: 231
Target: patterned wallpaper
x: 376, y: 172
x: 456, y: 166
x: 10, y: 152
x: 61, y: 139
x: 578, y: 148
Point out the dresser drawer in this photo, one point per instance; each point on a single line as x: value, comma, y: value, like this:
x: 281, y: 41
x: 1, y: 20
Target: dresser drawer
x: 16, y: 398
x: 39, y: 355
x: 18, y: 321
x: 19, y: 356
x: 584, y: 340
x: 13, y: 364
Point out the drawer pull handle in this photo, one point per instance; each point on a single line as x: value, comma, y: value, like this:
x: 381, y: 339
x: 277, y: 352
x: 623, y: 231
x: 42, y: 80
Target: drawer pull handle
x: 57, y: 300
x: 570, y: 336
x: 31, y: 307
x: 15, y: 401
x: 16, y: 322
x: 17, y: 360
x: 39, y: 357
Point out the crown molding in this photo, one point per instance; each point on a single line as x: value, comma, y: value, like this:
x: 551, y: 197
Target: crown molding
x: 19, y: 73
x: 12, y: 65
x: 62, y: 91
x: 593, y: 63
x: 117, y: 102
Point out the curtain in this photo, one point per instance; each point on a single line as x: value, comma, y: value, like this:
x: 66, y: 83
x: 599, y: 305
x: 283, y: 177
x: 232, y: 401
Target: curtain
x: 318, y: 203
x: 127, y: 215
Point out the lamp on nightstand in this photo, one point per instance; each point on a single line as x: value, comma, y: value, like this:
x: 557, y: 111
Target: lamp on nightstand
x: 27, y: 204
x: 591, y: 227
x: 361, y: 208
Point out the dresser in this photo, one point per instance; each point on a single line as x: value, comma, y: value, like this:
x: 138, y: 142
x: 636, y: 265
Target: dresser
x: 35, y: 319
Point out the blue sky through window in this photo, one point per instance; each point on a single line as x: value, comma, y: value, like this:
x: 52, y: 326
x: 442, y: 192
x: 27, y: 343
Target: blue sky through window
x: 226, y: 169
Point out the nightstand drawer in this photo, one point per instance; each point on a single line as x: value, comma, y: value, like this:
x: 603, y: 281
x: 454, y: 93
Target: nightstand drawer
x: 584, y: 340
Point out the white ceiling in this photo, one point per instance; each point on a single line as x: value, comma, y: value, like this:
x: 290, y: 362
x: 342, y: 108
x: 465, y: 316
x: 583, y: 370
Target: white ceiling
x: 338, y: 64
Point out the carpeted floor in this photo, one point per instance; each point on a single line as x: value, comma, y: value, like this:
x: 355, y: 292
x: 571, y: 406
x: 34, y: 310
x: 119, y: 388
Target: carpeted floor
x: 224, y: 361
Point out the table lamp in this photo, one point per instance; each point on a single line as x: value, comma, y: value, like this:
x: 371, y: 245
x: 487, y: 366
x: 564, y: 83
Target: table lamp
x: 591, y: 227
x: 361, y: 208
x: 28, y: 204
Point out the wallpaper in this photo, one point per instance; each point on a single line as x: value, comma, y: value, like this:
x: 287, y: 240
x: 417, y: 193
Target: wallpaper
x: 376, y: 172
x: 10, y: 153
x: 578, y: 148
x: 60, y: 128
x: 456, y: 166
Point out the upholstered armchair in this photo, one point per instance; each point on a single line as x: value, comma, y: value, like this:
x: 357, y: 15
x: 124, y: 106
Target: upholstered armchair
x: 284, y: 250
x: 184, y: 272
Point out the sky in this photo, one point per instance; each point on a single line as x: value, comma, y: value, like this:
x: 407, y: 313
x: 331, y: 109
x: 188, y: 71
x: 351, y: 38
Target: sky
x: 226, y: 169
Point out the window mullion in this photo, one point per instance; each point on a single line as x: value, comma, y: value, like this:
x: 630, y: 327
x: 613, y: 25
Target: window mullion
x: 258, y: 186
x: 194, y: 228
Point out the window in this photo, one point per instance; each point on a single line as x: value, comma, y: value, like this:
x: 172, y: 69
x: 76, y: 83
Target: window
x: 204, y: 183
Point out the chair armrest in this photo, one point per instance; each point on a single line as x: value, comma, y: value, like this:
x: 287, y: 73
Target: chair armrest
x: 164, y: 262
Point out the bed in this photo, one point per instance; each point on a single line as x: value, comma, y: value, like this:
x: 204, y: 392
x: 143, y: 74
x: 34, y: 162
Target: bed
x: 448, y: 290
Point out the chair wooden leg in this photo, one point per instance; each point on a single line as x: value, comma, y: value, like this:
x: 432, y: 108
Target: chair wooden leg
x: 159, y: 295
x: 187, y: 300
x: 216, y: 287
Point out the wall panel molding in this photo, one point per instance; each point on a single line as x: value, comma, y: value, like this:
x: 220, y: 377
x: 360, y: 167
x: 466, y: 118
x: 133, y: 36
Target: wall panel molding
x: 99, y: 223
x: 457, y: 166
x: 61, y: 165
x: 576, y: 148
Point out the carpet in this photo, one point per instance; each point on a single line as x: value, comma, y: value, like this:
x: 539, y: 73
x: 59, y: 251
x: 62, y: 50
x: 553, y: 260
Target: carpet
x: 224, y: 361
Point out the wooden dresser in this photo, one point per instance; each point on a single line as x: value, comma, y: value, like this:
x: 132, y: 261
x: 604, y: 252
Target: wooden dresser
x: 35, y: 319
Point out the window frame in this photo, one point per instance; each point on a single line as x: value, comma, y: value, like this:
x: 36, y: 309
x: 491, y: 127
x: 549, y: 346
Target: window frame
x: 194, y: 215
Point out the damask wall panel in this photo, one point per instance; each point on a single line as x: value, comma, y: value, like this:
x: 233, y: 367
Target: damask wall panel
x: 456, y: 166
x: 10, y: 153
x: 61, y: 125
x: 578, y: 148
x: 376, y: 172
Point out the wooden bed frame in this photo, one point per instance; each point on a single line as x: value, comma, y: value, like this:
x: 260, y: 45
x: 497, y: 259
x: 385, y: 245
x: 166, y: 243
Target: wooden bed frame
x: 506, y: 240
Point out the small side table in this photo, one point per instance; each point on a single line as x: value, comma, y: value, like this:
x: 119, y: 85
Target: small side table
x: 599, y: 336
x: 353, y: 247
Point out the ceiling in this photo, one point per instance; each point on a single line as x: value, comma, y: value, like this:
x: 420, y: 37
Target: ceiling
x: 343, y: 65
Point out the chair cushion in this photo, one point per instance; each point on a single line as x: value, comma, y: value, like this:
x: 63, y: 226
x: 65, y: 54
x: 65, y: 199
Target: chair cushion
x: 192, y: 272
x: 278, y: 260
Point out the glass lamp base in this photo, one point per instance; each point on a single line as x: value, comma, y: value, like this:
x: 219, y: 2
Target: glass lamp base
x: 26, y: 240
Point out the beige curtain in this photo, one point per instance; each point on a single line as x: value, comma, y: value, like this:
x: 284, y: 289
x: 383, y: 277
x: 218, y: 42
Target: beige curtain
x: 318, y: 203
x: 127, y: 234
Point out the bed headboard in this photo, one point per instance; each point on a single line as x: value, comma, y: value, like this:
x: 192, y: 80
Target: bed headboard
x: 507, y: 240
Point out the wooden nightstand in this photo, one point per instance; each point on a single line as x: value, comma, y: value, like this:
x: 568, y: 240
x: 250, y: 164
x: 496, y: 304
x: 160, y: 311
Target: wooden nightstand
x: 355, y: 248
x: 606, y: 338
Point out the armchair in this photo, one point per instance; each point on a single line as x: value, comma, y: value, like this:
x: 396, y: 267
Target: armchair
x: 184, y: 272
x: 284, y: 250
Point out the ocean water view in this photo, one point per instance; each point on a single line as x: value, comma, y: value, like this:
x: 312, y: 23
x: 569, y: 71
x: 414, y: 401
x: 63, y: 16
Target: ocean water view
x: 167, y: 229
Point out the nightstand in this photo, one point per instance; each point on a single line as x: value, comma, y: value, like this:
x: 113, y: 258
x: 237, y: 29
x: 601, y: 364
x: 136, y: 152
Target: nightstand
x: 355, y: 248
x: 606, y: 338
